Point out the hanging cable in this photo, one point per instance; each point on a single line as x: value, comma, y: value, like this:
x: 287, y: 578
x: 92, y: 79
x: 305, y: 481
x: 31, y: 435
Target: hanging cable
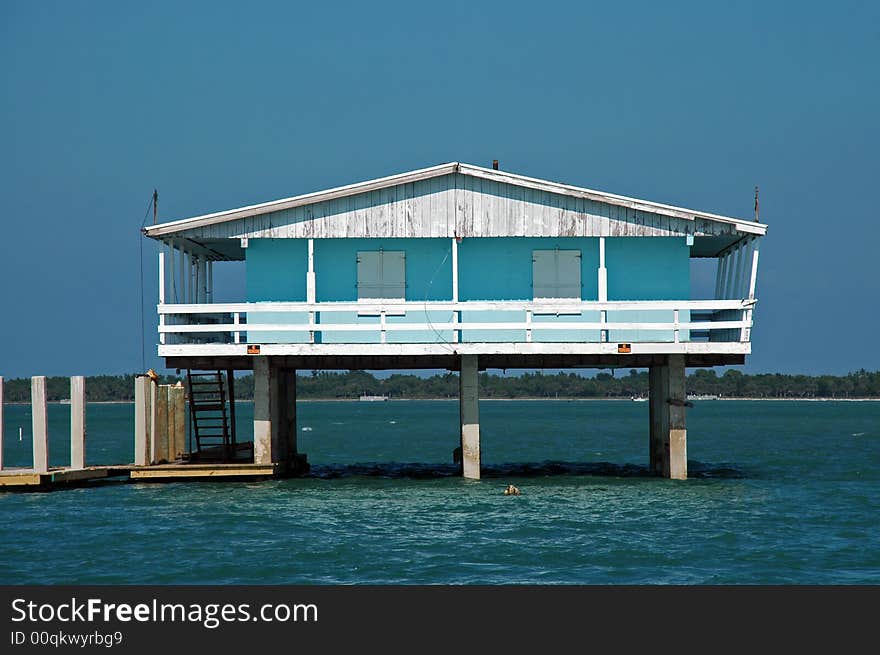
x: 427, y: 315
x: 141, y: 249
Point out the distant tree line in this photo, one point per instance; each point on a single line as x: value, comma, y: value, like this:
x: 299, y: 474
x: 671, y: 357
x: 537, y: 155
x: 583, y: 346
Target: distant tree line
x: 352, y: 384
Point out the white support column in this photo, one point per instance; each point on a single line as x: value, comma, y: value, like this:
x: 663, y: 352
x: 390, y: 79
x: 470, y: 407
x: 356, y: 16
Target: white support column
x: 39, y: 424
x: 753, y: 277
x: 744, y: 259
x: 311, y: 292
x: 209, y: 296
x: 1, y: 422
x: 737, y: 276
x: 746, y: 332
x: 169, y: 262
x: 456, y: 315
x: 192, y: 282
x: 181, y: 283
x: 186, y: 276
x: 266, y: 414
x: 719, y: 275
x: 203, y: 279
x: 77, y: 422
x: 728, y: 274
x: 469, y: 415
x: 161, y: 294
x: 603, y: 288
x: 142, y: 414
x: 161, y: 276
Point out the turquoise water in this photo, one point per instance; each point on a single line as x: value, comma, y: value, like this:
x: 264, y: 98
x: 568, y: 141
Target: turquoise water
x: 781, y: 492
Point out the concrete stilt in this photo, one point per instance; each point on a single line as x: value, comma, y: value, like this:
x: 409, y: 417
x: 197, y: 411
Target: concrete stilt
x: 469, y: 397
x: 266, y: 424
x: 77, y: 422
x: 657, y: 395
x: 142, y: 419
x: 39, y: 424
x: 677, y: 403
x: 287, y: 413
x: 668, y: 409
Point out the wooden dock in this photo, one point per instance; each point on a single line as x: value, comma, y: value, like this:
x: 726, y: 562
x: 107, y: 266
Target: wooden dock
x: 20, y: 479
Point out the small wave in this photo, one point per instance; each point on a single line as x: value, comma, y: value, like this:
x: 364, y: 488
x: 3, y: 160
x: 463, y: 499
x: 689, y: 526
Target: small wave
x: 392, y: 422
x: 307, y: 428
x: 859, y: 434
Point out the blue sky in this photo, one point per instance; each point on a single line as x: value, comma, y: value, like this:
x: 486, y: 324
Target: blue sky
x: 221, y: 105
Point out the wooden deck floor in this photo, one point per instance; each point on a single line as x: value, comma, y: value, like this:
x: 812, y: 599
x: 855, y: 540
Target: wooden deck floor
x: 21, y: 479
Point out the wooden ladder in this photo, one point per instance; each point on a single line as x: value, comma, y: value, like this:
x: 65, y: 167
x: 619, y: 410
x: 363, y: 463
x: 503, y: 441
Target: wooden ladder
x: 213, y: 428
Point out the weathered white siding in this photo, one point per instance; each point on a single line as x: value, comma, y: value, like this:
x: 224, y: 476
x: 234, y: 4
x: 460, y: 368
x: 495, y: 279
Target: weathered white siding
x: 458, y: 205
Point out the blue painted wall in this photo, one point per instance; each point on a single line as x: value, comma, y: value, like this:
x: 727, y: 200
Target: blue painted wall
x: 501, y: 269
x: 428, y: 277
x: 639, y: 268
x: 428, y: 267
x: 276, y: 271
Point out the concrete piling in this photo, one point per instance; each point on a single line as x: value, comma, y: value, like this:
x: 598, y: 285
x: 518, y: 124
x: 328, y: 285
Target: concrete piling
x: 668, y: 414
x: 39, y: 424
x: 77, y: 422
x: 469, y: 415
x: 142, y: 419
x: 265, y: 411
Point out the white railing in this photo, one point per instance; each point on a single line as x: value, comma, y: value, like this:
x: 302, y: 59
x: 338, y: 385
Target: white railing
x: 719, y: 320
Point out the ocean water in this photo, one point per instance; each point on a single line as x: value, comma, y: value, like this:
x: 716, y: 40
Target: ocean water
x: 780, y: 492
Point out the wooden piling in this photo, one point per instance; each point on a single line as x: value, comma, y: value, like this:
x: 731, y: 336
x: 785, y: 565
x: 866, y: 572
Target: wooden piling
x: 160, y: 426
x: 77, y: 422
x: 176, y: 422
x: 39, y: 424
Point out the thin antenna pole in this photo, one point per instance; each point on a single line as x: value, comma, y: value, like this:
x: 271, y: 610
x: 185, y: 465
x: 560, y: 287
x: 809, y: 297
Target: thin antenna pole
x: 756, y: 203
x: 155, y: 206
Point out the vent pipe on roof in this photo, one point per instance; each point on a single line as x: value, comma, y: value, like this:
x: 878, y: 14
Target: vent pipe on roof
x: 155, y: 206
x: 495, y: 164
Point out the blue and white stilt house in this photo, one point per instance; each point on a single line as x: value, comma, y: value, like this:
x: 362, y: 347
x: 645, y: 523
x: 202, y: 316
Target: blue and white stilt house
x: 458, y: 267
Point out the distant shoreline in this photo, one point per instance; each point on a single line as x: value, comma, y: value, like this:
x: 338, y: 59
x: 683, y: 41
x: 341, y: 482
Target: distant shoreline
x: 524, y: 398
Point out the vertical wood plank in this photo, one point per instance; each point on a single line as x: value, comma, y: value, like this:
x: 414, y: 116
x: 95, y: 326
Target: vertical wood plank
x: 161, y: 431
x: 177, y: 422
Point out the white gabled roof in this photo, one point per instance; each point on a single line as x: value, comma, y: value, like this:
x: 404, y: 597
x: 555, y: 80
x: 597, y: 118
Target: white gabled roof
x: 741, y: 225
